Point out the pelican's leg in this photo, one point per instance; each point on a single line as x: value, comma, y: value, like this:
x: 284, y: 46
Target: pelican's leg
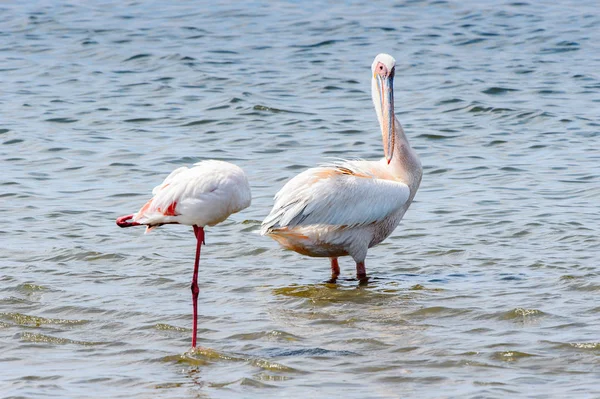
x: 335, y: 270
x: 361, y: 272
x: 199, y: 233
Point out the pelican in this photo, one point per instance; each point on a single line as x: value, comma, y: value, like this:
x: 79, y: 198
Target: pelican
x: 347, y: 207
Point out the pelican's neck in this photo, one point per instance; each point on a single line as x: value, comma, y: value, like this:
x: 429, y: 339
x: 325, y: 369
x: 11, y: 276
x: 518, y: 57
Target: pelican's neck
x: 405, y: 164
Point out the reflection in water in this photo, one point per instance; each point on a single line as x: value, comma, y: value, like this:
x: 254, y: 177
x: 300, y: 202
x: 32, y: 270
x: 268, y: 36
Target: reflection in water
x: 325, y: 293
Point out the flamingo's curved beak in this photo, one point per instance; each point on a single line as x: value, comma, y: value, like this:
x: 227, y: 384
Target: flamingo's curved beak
x: 385, y: 84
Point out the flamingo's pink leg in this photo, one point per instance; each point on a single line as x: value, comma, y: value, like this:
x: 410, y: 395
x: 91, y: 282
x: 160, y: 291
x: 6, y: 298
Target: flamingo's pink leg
x: 199, y: 233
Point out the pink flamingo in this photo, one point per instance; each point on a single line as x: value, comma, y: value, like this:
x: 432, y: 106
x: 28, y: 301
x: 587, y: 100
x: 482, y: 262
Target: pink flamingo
x: 205, y: 194
x: 350, y: 206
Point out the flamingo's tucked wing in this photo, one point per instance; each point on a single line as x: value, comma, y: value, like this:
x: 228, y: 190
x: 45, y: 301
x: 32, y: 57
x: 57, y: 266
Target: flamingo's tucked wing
x: 339, y: 195
x: 203, y: 195
x: 169, y: 179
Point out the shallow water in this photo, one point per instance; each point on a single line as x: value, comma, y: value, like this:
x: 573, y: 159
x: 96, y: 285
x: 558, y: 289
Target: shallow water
x: 487, y: 289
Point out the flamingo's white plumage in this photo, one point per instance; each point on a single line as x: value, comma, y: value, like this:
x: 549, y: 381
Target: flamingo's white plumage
x: 203, y: 195
x: 348, y: 207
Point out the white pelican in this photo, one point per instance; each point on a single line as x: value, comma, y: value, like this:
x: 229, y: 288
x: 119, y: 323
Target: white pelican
x: 205, y: 194
x: 348, y: 207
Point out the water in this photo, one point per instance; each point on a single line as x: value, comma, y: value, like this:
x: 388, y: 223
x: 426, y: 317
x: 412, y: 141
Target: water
x: 487, y: 289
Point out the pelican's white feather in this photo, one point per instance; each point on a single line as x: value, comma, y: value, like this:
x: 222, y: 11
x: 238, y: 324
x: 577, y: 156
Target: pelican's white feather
x: 345, y: 194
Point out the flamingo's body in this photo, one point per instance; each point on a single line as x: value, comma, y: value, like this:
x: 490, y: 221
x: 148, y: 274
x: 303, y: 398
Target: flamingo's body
x: 348, y: 207
x: 203, y: 195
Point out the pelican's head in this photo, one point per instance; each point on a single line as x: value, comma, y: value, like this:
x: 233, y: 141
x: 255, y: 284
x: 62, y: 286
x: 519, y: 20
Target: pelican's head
x: 382, y: 89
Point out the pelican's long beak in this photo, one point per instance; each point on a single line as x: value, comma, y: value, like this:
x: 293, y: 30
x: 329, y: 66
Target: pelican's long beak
x: 386, y: 96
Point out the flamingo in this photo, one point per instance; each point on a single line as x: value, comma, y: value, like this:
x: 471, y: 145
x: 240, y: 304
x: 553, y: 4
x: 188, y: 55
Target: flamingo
x: 347, y: 207
x: 203, y: 195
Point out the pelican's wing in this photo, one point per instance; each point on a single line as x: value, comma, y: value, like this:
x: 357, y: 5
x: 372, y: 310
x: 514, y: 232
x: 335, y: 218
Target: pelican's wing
x: 341, y: 195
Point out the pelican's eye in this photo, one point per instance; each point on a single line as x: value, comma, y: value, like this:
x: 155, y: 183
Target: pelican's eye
x: 381, y: 69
